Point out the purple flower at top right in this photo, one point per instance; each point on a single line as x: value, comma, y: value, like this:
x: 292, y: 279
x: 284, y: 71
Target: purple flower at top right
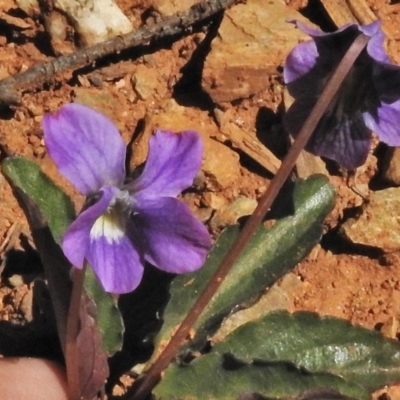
x: 368, y: 100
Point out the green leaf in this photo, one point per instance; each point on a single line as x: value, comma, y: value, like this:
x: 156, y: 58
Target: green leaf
x: 215, y: 376
x: 319, y: 345
x: 55, y: 206
x: 270, y: 254
x: 108, y: 316
x: 282, y: 355
x: 58, y: 210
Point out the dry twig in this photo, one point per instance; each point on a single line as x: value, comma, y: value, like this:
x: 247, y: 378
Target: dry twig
x: 180, y: 23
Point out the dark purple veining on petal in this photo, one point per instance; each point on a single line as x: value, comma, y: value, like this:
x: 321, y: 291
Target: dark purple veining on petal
x: 127, y: 225
x: 368, y: 100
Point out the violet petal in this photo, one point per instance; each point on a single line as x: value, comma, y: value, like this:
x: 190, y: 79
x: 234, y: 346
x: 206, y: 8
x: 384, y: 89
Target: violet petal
x: 347, y: 142
x: 75, y: 242
x: 171, y: 238
x: 313, y: 32
x: 116, y: 263
x: 332, y: 44
x: 369, y: 99
x: 338, y: 137
x: 375, y: 46
x: 172, y: 163
x: 299, y: 62
x: 372, y: 30
x: 309, y: 66
x: 86, y: 147
x: 386, y: 123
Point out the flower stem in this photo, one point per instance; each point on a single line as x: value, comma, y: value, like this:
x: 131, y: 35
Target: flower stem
x: 146, y: 384
x: 71, y: 346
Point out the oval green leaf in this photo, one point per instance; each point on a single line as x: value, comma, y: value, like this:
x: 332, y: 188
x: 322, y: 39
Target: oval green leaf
x: 270, y: 254
x: 58, y: 211
x: 319, y: 345
x: 215, y: 377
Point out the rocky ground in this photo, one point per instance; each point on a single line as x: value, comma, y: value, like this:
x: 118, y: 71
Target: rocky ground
x: 225, y: 82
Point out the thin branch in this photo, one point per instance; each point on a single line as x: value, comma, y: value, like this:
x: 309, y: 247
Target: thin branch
x: 177, y: 24
x: 146, y: 385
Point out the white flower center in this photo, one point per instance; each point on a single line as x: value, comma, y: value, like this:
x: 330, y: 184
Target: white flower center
x: 112, y: 224
x: 108, y: 227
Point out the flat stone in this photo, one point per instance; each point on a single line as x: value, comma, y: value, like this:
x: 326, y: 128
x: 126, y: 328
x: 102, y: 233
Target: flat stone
x: 103, y: 101
x: 147, y: 82
x: 230, y: 213
x: 26, y: 305
x: 166, y: 8
x: 31, y: 7
x: 220, y: 166
x: 16, y: 280
x: 213, y: 200
x: 248, y: 142
x: 14, y: 21
x: 95, y: 20
x: 391, y: 165
x: 252, y: 40
x: 379, y: 223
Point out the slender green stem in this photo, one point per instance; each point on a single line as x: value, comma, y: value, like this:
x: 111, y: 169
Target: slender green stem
x: 71, y: 346
x: 151, y: 378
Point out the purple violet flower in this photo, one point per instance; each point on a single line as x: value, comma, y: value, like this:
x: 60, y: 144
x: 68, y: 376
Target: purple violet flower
x: 126, y: 225
x: 369, y: 99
